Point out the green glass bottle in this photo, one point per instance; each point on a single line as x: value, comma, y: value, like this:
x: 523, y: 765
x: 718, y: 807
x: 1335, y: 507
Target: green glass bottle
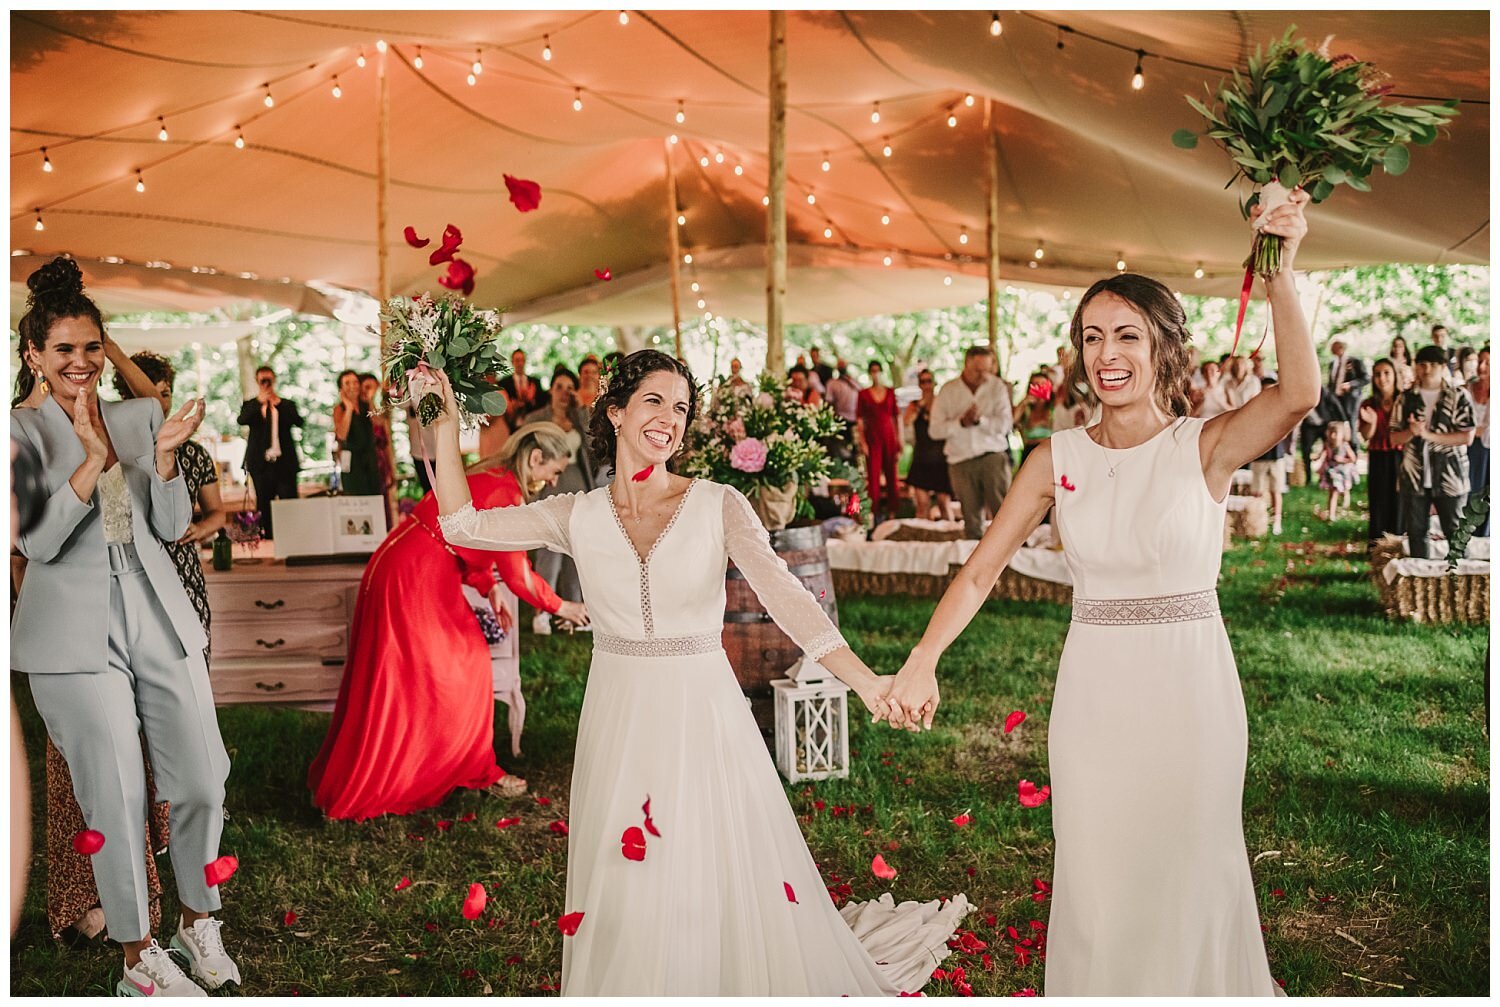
x: 223, y: 551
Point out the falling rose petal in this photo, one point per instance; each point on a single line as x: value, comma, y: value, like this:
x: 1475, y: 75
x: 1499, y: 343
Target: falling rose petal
x: 568, y: 924
x: 452, y: 238
x: 962, y: 820
x: 881, y: 869
x: 475, y: 902
x: 290, y: 918
x: 560, y: 827
x: 650, y: 825
x: 791, y: 896
x: 413, y: 240
x: 87, y: 842
x: 604, y: 274
x: 1030, y: 796
x: 526, y: 195
x: 460, y: 276
x: 221, y: 870
x: 544, y: 801
x: 402, y: 885
x: 633, y: 844
x: 506, y: 823
x: 1014, y: 720
x: 643, y: 474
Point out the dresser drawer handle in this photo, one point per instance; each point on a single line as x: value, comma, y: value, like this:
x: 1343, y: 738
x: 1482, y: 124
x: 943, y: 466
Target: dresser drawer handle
x: 272, y: 645
x: 269, y: 605
x: 270, y: 687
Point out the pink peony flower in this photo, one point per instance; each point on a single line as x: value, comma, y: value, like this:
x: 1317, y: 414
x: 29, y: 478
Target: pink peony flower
x: 764, y: 400
x: 736, y: 429
x: 749, y: 455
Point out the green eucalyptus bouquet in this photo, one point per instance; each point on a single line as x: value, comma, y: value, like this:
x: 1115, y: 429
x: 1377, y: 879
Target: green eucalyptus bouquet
x: 1300, y: 118
x: 448, y: 334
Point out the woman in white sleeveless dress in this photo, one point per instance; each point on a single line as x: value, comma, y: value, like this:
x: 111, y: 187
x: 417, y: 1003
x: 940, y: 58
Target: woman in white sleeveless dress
x: 712, y: 891
x: 1152, y: 891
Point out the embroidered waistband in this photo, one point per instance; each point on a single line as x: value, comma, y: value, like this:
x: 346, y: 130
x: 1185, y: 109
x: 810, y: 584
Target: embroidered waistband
x: 674, y: 646
x: 1146, y: 611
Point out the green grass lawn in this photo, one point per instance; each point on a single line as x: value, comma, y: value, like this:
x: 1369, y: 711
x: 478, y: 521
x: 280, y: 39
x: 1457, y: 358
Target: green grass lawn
x: 1366, y: 807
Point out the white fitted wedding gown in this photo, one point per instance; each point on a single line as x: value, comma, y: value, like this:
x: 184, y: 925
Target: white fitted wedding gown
x: 1152, y: 892
x: 709, y: 909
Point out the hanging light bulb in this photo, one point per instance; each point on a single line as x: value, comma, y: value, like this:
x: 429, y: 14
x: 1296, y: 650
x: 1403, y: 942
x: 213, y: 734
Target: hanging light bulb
x: 1039, y: 252
x: 812, y: 200
x: 718, y: 157
x: 827, y: 232
x: 624, y: 17
x: 687, y: 259
x: 875, y: 113
x: 1120, y: 264
x: 827, y: 164
x: 140, y: 183
x: 471, y: 80
x: 963, y: 235
x: 578, y: 99
x: 886, y: 260
x: 239, y: 138
x: 995, y: 26
x: 161, y: 134
x: 887, y: 149
x: 268, y: 100
x: 885, y: 218
x: 702, y: 304
x: 968, y: 101
x: 360, y: 62
x: 338, y: 92
x: 695, y: 286
x: 478, y: 67
x: 1139, y: 80
x: 39, y: 225
x: 1198, y: 273
x: 547, y: 48
x: 765, y: 201
x: 739, y: 169
x: 46, y: 162
x: 672, y: 139
x: 380, y: 45
x: 703, y: 161
x: 1032, y: 263
x: 417, y: 62
x: 947, y: 281
x: 682, y: 220
x: 681, y: 115
x: 952, y: 120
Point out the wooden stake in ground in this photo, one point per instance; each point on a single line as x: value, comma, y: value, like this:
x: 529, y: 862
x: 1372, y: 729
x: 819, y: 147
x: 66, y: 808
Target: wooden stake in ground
x: 992, y: 227
x: 776, y: 211
x: 674, y: 249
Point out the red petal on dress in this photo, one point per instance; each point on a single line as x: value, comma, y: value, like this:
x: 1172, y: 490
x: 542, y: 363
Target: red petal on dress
x: 791, y: 896
x: 525, y: 194
x: 633, y: 844
x: 475, y: 902
x: 881, y: 869
x: 650, y: 825
x: 221, y: 870
x: 87, y: 842
x: 413, y: 240
x: 568, y: 925
x: 1014, y: 720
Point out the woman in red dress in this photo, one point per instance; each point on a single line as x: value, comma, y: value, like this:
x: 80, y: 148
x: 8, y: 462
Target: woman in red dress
x: 416, y: 710
x: 881, y: 435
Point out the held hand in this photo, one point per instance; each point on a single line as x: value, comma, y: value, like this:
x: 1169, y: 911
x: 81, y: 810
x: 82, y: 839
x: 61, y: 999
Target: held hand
x: 574, y: 612
x: 429, y: 380
x: 1288, y: 222
x: 180, y: 427
x: 501, y: 609
x: 94, y: 447
x: 1417, y: 427
x: 873, y: 694
x: 915, y: 694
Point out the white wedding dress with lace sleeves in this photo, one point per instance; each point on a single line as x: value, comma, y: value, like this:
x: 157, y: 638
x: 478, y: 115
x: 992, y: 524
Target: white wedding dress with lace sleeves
x: 726, y: 900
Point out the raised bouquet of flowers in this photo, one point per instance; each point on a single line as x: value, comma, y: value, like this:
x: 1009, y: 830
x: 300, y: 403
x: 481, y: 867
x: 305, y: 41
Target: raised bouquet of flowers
x: 1303, y: 118
x: 764, y: 443
x: 448, y: 334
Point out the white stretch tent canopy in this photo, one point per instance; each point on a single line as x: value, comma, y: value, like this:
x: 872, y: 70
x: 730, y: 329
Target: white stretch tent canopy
x: 1087, y: 167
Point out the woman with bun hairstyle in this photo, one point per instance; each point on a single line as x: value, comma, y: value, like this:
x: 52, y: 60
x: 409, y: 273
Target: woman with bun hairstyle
x: 110, y: 642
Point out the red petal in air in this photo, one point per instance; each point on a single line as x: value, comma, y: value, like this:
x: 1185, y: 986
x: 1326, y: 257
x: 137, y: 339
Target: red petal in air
x: 568, y: 924
x: 525, y: 194
x: 643, y: 474
x: 414, y: 241
x: 650, y: 825
x: 633, y: 844
x: 962, y: 820
x: 791, y: 896
x: 460, y: 276
x: 1014, y: 720
x: 475, y: 902
x: 221, y: 870
x: 401, y: 885
x: 604, y: 274
x: 506, y: 823
x: 1063, y: 482
x: 881, y: 869
x: 87, y: 842
x: 544, y: 801
x: 1030, y: 796
x: 452, y: 238
x: 559, y: 827
x: 290, y: 918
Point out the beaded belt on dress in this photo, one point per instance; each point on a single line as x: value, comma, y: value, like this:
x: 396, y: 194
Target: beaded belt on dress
x: 1146, y: 611
x: 671, y: 646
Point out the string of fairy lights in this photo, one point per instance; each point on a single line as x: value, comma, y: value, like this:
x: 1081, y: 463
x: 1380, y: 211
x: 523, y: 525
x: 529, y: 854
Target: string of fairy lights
x: 433, y: 61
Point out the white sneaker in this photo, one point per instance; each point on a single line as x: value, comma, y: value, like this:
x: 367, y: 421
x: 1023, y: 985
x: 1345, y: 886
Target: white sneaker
x: 209, y: 963
x: 157, y: 974
x: 541, y: 624
x: 1276, y: 526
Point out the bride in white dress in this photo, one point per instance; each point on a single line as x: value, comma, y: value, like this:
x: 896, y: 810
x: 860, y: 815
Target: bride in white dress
x: 712, y: 891
x: 1147, y: 738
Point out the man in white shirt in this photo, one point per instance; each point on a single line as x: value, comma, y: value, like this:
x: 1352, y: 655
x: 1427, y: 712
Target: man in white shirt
x: 842, y: 393
x: 973, y: 417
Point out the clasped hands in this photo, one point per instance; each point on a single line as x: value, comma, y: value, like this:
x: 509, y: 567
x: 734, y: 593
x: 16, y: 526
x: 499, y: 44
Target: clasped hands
x: 907, y: 700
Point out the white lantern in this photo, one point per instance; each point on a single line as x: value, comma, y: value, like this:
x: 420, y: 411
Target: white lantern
x: 812, y: 723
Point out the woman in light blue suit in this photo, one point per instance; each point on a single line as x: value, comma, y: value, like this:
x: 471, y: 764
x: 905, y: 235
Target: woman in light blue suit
x: 108, y: 639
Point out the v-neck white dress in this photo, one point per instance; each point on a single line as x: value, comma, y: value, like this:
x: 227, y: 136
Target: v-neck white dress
x: 727, y: 899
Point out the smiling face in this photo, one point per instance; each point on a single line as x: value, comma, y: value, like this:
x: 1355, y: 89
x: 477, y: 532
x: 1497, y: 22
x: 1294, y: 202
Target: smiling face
x: 588, y: 374
x: 367, y: 389
x: 563, y: 390
x: 1117, y: 351
x: 349, y: 385
x: 72, y: 360
x: 653, y: 421
x: 1384, y: 380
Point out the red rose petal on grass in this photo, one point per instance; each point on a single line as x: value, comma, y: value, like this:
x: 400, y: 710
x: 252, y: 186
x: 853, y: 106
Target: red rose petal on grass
x: 221, y: 870
x: 560, y: 827
x: 911, y: 994
x: 1029, y: 796
x: 513, y: 960
x: 525, y: 194
x: 643, y: 474
x: 1042, y: 890
x: 650, y: 825
x: 1038, y: 925
x: 791, y: 896
x: 475, y: 902
x: 544, y: 801
x: 1027, y: 992
x: 969, y: 943
x: 413, y: 240
x: 881, y: 869
x: 633, y: 844
x: 506, y: 823
x: 962, y: 820
x: 431, y: 928
x: 1277, y: 893
x: 444, y: 826
x: 1014, y: 720
x: 568, y: 924
x: 469, y: 817
x: 452, y: 238
x: 87, y: 842
x: 402, y: 885
x: 289, y: 919
x: 469, y: 974
x: 1014, y: 934
x: 971, y: 872
x: 938, y: 975
x: 963, y: 989
x: 460, y: 276
x: 987, y: 962
x: 604, y: 274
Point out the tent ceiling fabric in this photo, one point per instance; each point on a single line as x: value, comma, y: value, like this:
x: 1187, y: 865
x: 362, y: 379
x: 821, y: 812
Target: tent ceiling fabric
x: 1087, y: 164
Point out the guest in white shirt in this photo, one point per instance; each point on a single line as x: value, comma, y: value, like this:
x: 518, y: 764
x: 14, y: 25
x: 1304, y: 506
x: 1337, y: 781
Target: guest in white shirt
x: 843, y: 393
x: 1242, y: 386
x: 972, y: 416
x: 1213, y: 398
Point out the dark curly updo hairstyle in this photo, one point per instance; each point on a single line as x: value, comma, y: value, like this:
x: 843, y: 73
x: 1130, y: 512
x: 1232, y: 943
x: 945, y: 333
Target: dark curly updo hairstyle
x: 625, y: 379
x: 1171, y: 343
x: 56, y: 292
x: 156, y: 367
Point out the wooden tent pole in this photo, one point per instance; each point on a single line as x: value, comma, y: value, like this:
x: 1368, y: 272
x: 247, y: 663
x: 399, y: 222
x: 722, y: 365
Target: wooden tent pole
x: 382, y: 198
x: 674, y: 249
x: 992, y: 227
x: 776, y: 211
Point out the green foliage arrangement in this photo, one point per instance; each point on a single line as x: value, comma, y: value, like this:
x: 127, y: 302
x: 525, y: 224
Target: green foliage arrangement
x: 448, y: 334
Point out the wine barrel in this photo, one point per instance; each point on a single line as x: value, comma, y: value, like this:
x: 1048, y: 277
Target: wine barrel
x: 758, y: 651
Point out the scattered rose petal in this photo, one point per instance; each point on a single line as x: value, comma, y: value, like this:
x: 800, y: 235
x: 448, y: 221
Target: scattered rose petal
x: 819, y: 805
x: 431, y: 928
x: 402, y: 885
x: 506, y: 823
x: 1277, y: 893
x: 460, y: 276
x: 604, y: 274
x: 452, y: 238
x: 513, y: 960
x: 938, y: 975
x: 971, y: 872
x: 1027, y: 992
x: 444, y: 825
x: 220, y: 870
x: 989, y: 920
x: 962, y: 820
x: 650, y: 825
x: 1042, y: 890
x: 87, y: 842
x: 469, y: 817
x: 1030, y: 796
x: 568, y: 924
x: 791, y: 896
x: 469, y: 974
x: 633, y: 844
x: 987, y: 962
x: 893, y: 846
x: 289, y: 919
x: 969, y: 943
x: 1063, y: 482
x: 560, y: 827
x: 1038, y: 925
x: 881, y: 869
x: 853, y: 507
x: 643, y: 474
x: 1014, y: 720
x: 413, y: 240
x: 524, y: 194
x: 475, y: 902
x: 544, y: 801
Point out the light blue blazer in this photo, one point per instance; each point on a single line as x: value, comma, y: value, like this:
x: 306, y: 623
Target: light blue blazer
x: 61, y: 619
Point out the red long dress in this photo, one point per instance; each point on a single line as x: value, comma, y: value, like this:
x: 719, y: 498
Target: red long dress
x: 882, y: 445
x: 416, y: 710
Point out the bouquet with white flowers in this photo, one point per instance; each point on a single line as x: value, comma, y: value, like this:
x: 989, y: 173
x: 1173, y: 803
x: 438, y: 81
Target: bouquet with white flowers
x: 448, y: 334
